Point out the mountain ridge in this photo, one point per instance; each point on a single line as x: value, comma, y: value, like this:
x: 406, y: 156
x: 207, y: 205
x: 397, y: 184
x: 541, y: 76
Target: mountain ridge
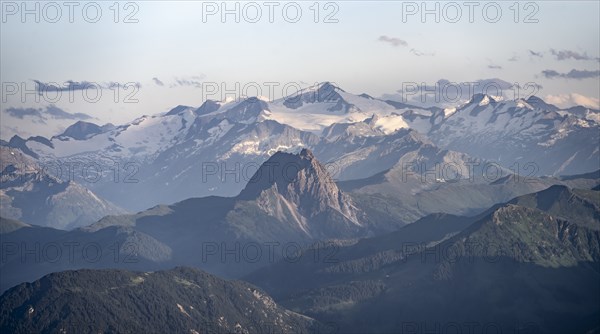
x: 191, y: 301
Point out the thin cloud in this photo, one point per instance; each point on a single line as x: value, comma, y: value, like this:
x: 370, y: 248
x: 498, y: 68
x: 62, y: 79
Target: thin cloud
x: 569, y: 54
x: 495, y: 67
x: 113, y: 85
x: 396, y: 42
x: 70, y: 85
x: 536, y: 54
x: 529, y: 85
x: 41, y: 115
x: 21, y: 113
x: 193, y: 81
x: 513, y: 58
x: 57, y: 113
x: 573, y: 74
x: 393, y: 41
x: 158, y: 82
x: 476, y: 87
x: 421, y: 53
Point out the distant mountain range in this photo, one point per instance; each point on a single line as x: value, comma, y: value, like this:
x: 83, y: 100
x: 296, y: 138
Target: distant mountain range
x: 536, y: 254
x: 371, y: 215
x: 215, y: 148
x: 515, y: 133
x: 289, y: 203
x: 33, y: 195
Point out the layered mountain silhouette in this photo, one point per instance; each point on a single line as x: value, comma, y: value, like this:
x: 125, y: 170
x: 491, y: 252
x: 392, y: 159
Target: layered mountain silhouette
x: 440, y: 269
x: 291, y: 196
x: 289, y: 203
x: 375, y: 215
x: 522, y: 132
x: 32, y: 194
x: 449, y: 269
x: 363, y: 136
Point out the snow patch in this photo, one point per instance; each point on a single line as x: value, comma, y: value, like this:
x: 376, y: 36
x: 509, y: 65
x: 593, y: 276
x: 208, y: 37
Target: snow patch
x: 485, y: 101
x: 182, y: 310
x: 448, y: 112
x: 391, y: 123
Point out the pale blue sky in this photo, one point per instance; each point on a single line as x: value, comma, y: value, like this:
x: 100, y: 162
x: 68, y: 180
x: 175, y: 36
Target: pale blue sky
x: 171, y: 42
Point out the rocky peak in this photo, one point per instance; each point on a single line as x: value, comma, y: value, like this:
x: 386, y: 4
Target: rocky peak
x: 482, y: 99
x: 249, y: 110
x: 538, y: 103
x: 325, y: 92
x: 82, y: 130
x: 177, y: 110
x: 302, y: 181
x: 207, y: 107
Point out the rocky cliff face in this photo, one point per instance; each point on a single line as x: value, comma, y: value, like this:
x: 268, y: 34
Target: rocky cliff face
x: 297, y: 188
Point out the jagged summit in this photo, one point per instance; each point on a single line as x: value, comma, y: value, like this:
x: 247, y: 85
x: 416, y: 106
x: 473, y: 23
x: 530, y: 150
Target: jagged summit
x: 82, y: 130
x: 324, y: 87
x: 207, y: 107
x: 296, y: 187
x: 79, y: 130
x: 251, y: 105
x: 177, y: 110
x: 482, y: 99
x: 322, y: 93
x: 285, y: 171
x: 538, y: 103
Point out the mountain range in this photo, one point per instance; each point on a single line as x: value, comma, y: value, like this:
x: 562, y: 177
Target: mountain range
x: 345, y: 213
x: 291, y: 201
x: 344, y: 268
x: 214, y: 149
x: 31, y: 194
x: 530, y: 264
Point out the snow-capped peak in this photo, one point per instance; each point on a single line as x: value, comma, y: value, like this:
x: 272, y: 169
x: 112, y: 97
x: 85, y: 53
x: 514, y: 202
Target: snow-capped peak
x: 481, y: 99
x: 521, y: 103
x: 263, y: 98
x: 326, y: 85
x: 497, y: 98
x: 485, y: 101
